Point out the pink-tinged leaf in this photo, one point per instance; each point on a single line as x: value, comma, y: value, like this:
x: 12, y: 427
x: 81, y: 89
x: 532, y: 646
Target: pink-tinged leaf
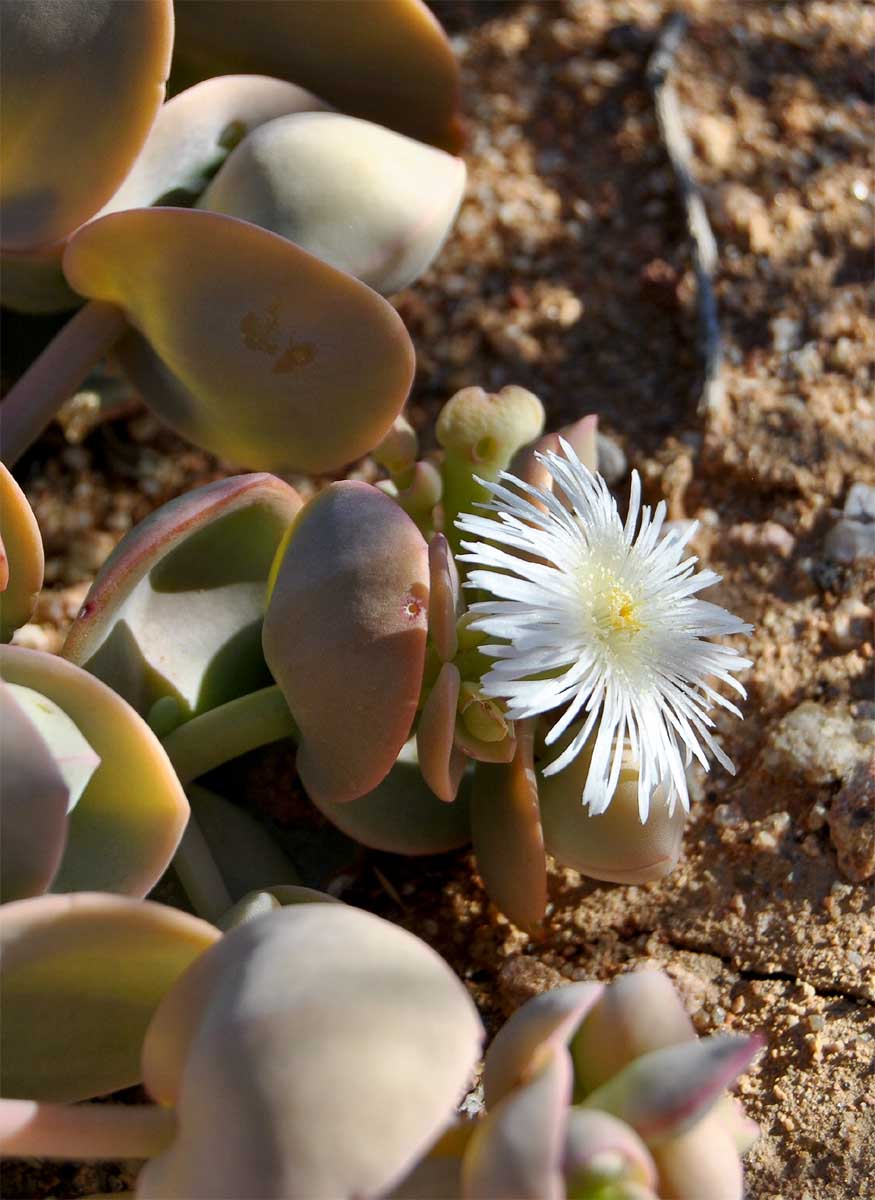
x: 702, y: 1161
x: 444, y: 601
x: 176, y: 609
x: 581, y: 436
x: 667, y: 1091
x: 402, y: 814
x: 21, y: 557
x: 78, y: 88
x: 741, y: 1128
x: 127, y: 824
x: 33, y: 813
x: 82, y: 976
x: 506, y: 831
x: 344, y: 637
x: 256, y: 351
x: 316, y: 1021
x: 386, y: 60
x: 516, y: 1152
x: 637, y: 1013
x: 532, y: 1033
x: 438, y: 1176
x: 600, y: 1148
x: 441, y: 763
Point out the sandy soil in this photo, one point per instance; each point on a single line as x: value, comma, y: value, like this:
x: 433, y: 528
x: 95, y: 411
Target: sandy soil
x: 568, y: 272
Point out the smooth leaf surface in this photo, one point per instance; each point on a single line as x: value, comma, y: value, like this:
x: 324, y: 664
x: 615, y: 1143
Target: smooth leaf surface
x: 534, y: 1031
x: 195, y: 132
x: 82, y: 976
x: 128, y: 822
x: 81, y: 85
x: 344, y: 637
x: 516, y: 1152
x: 614, y: 845
x: 176, y: 609
x: 441, y: 763
x: 251, y: 348
x: 364, y: 199
x: 402, y: 814
x: 21, y: 557
x: 386, y: 60
x: 639, y: 1012
x: 33, y: 812
x: 315, y: 1022
x: 506, y: 831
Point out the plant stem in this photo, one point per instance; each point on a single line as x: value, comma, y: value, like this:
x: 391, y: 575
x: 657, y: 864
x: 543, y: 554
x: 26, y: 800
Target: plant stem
x: 30, y: 405
x: 199, y: 874
x: 111, y: 1131
x: 198, y: 746
x: 228, y: 731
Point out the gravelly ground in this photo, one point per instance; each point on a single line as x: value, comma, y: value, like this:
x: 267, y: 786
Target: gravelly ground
x: 568, y: 272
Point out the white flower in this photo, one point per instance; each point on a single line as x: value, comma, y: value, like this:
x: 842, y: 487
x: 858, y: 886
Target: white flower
x: 600, y: 618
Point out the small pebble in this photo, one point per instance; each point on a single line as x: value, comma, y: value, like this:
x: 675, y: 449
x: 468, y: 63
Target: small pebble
x: 852, y: 824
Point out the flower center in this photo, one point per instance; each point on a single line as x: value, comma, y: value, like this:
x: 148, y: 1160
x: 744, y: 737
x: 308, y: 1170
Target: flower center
x: 613, y: 612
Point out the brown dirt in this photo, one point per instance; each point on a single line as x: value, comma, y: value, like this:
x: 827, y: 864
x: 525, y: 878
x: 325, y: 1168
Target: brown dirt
x: 568, y: 272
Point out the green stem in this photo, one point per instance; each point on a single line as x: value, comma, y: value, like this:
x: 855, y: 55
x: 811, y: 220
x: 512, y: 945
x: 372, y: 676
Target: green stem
x: 98, y: 1131
x: 198, y: 746
x: 228, y: 731
x: 199, y: 874
x: 30, y: 405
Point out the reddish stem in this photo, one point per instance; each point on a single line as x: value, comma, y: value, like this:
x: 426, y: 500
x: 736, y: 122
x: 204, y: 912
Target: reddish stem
x: 102, y: 1131
x: 30, y: 405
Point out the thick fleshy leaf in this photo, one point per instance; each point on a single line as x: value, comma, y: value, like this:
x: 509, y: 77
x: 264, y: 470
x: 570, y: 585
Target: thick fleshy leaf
x: 441, y: 763
x: 21, y: 557
x: 316, y: 1022
x: 702, y: 1161
x: 75, y: 758
x: 258, y: 904
x: 80, y: 91
x: 364, y: 199
x: 82, y: 977
x: 127, y: 824
x: 33, y: 812
x: 639, y: 1012
x: 176, y: 609
x: 581, y: 436
x: 534, y: 1031
x: 601, y: 1151
x: 516, y: 1152
x: 444, y: 598
x: 402, y: 814
x: 344, y: 637
x: 667, y: 1091
x: 386, y: 60
x: 251, y: 347
x: 614, y: 845
x: 506, y: 831
x: 439, y: 1175
x: 481, y: 432
x: 195, y: 132
x: 248, y: 858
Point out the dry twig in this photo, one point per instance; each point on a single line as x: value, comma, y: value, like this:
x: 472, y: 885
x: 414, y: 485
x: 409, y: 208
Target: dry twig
x: 677, y: 144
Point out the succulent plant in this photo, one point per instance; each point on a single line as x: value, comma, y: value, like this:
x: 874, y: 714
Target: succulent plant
x: 21, y: 557
x: 90, y: 800
x: 243, y: 343
x: 276, y: 1056
x: 368, y: 644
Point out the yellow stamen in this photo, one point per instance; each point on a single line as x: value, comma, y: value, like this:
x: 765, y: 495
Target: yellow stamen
x: 614, y: 612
